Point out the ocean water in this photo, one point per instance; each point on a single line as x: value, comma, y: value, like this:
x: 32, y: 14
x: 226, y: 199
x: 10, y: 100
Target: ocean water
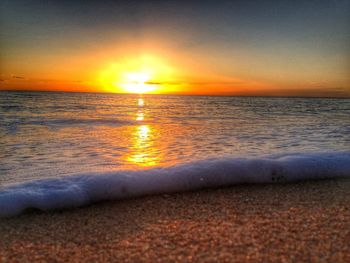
x: 69, y: 149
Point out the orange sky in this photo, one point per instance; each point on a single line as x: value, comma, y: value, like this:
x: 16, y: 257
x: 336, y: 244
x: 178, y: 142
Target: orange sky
x: 178, y: 55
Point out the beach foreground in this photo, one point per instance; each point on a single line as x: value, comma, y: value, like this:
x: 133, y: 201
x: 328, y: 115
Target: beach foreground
x: 297, y: 222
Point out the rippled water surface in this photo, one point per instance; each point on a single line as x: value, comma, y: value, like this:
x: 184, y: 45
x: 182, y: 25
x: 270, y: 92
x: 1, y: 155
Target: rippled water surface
x: 46, y: 134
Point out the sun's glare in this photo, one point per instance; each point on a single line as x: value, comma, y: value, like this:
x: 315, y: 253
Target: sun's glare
x: 136, y: 82
x: 139, y: 75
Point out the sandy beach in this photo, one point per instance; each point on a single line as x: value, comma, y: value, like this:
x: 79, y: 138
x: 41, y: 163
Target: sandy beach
x: 298, y: 222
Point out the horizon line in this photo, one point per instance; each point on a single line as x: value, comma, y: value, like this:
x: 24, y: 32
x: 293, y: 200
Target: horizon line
x: 181, y: 94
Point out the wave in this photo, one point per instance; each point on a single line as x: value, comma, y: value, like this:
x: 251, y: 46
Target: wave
x: 82, y: 189
x: 12, y: 126
x: 73, y: 122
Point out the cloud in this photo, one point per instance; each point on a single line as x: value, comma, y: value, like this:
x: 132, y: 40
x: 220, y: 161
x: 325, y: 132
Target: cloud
x: 57, y: 81
x: 164, y: 82
x: 17, y: 77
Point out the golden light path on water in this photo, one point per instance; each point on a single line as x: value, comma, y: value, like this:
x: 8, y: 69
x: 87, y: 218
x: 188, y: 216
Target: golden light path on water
x: 143, y: 137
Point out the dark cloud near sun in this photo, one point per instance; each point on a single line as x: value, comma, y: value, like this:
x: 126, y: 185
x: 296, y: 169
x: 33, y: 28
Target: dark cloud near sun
x: 18, y: 77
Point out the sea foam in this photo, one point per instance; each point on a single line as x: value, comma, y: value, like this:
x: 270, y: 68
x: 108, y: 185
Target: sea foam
x: 82, y: 189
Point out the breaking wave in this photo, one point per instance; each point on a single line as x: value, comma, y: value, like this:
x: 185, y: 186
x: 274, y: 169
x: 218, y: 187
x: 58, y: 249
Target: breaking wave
x: 82, y: 189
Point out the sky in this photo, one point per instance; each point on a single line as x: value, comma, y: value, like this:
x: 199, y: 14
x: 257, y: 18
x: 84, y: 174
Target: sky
x: 249, y: 48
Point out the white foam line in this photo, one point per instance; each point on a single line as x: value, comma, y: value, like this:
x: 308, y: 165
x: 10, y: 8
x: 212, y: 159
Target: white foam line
x: 83, y: 189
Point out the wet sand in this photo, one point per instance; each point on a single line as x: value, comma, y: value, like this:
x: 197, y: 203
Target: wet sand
x: 299, y: 222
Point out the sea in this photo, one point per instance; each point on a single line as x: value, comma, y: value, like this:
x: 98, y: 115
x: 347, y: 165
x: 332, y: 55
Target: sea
x: 61, y: 150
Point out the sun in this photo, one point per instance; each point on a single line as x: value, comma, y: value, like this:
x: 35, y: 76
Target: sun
x: 146, y: 74
x: 137, y: 82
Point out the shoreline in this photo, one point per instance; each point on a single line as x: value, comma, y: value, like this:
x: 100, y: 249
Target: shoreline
x: 300, y: 222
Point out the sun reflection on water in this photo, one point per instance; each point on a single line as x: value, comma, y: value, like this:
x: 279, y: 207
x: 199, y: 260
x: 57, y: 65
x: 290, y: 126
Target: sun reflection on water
x: 143, y: 152
x: 140, y: 116
x: 143, y: 137
x: 140, y: 102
